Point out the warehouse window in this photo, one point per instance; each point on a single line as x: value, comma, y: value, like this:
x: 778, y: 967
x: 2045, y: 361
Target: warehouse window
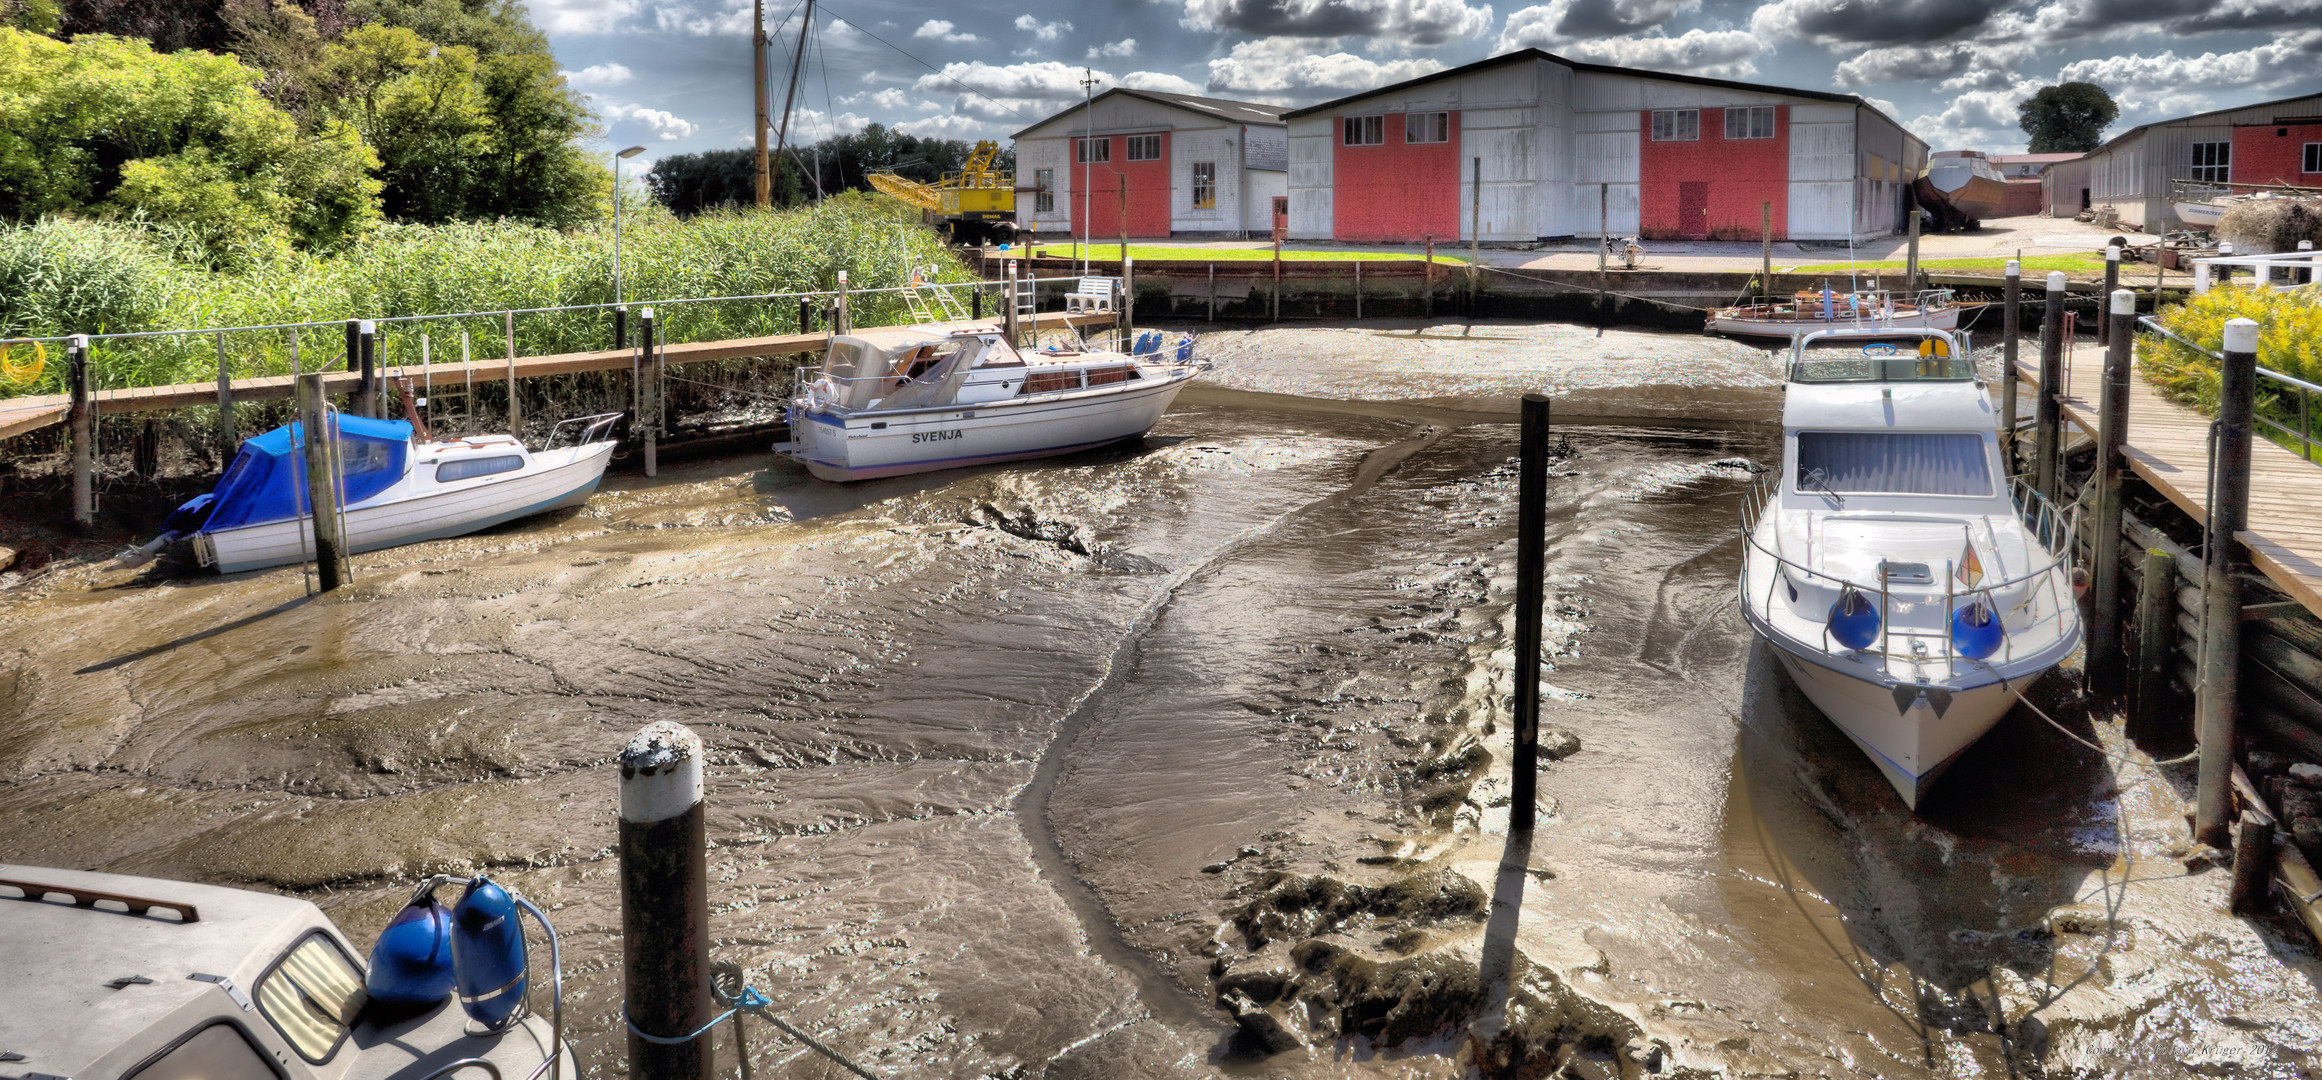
x: 1144, y: 148
x: 2313, y: 162
x: 1366, y: 130
x: 1755, y: 122
x: 1043, y: 191
x: 1426, y: 127
x: 1094, y: 150
x: 1676, y: 125
x: 2213, y: 162
x: 1205, y: 185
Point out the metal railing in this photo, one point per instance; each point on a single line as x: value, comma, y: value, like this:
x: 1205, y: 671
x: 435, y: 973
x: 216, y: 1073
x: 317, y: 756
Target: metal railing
x: 2305, y: 391
x: 1851, y: 308
x: 593, y: 428
x: 2290, y: 265
x: 2048, y: 526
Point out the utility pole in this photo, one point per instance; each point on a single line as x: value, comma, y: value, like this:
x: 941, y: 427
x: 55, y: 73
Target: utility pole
x: 1087, y: 157
x: 758, y: 86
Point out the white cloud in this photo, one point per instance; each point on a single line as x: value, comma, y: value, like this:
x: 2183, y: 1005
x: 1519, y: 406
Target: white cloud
x: 814, y: 125
x: 1162, y: 81
x: 730, y: 19
x: 1041, y: 31
x: 600, y: 75
x: 664, y: 125
x: 942, y: 29
x: 1980, y: 120
x: 2285, y: 59
x: 1123, y: 47
x: 1273, y: 65
x: 891, y: 99
x: 1720, y: 54
x: 946, y: 126
x: 1045, y: 79
x: 1881, y: 104
x: 580, y: 16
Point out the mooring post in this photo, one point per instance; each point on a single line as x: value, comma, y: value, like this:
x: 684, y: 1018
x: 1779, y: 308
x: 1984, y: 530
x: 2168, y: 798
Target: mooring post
x: 1358, y: 289
x: 2011, y: 329
x: 83, y: 422
x: 2253, y: 864
x: 621, y: 327
x: 1277, y: 279
x: 1009, y: 317
x: 1427, y: 291
x: 1531, y: 584
x: 1128, y: 304
x: 806, y: 314
x: 227, y: 441
x: 649, y: 390
x: 1603, y: 245
x: 842, y: 320
x: 322, y: 488
x: 1212, y: 292
x: 515, y: 403
x: 2047, y: 409
x: 2223, y: 274
x: 1474, y: 235
x: 665, y: 902
x: 2156, y: 623
x: 1765, y: 248
x: 2104, y: 652
x: 2220, y: 697
x: 369, y: 404
x: 976, y: 303
x: 1911, y: 273
x: 2111, y: 285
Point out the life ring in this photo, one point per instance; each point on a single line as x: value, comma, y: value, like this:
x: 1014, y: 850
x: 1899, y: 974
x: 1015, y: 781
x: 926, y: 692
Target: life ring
x: 822, y: 392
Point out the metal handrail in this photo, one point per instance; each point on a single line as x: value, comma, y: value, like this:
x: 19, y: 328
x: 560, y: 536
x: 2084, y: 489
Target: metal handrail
x: 597, y: 424
x: 2304, y: 433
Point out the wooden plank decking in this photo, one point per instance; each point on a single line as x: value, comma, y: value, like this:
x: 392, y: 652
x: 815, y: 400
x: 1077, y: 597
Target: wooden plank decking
x: 2168, y: 445
x: 23, y: 414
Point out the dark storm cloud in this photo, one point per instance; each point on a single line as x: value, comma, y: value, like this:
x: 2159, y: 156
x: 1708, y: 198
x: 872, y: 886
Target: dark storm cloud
x: 1610, y: 18
x: 1862, y: 22
x: 1287, y: 18
x: 2249, y: 16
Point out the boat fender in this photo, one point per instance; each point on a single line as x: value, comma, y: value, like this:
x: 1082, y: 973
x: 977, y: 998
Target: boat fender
x: 488, y: 954
x: 411, y: 965
x: 1976, y: 631
x: 1854, y: 620
x: 1185, y: 349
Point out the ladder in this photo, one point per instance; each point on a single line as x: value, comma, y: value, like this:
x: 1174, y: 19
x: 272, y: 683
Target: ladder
x: 929, y: 303
x: 1026, y: 292
x: 443, y: 402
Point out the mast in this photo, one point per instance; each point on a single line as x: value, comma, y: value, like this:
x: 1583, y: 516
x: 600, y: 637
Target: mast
x: 782, y: 137
x: 758, y: 84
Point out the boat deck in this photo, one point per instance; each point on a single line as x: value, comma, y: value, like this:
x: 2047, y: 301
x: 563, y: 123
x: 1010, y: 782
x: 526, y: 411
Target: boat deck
x: 2168, y: 445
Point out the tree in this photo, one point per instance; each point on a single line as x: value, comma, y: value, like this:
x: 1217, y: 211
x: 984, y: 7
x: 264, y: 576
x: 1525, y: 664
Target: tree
x: 2068, y: 118
x: 689, y: 184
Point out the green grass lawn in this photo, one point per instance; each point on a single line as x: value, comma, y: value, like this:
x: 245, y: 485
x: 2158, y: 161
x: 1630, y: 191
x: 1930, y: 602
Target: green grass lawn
x: 2035, y: 264
x: 1151, y: 252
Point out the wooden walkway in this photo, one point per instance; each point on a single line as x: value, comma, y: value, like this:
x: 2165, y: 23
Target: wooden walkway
x: 24, y: 414
x: 2168, y: 445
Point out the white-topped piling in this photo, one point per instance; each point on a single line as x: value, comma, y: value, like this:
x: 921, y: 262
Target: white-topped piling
x: 665, y: 902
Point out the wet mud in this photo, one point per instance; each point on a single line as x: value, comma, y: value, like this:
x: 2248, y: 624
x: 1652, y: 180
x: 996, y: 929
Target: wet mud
x: 1186, y: 757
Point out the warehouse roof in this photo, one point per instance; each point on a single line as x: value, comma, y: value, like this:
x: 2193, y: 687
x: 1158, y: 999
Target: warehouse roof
x: 1232, y: 112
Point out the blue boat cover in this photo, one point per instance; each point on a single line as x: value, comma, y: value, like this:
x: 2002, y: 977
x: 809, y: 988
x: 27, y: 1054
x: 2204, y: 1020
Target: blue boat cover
x: 267, y: 481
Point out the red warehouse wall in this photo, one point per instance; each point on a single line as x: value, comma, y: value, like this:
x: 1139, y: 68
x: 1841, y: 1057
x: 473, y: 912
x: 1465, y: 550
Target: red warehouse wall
x: 1394, y: 191
x: 2274, y: 153
x: 1148, y: 191
x: 1713, y: 187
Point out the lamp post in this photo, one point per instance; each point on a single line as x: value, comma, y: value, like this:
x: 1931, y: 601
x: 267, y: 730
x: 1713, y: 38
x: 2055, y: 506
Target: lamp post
x: 617, y: 159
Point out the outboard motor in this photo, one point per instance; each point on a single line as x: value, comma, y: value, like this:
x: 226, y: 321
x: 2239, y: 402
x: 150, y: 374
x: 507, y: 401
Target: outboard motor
x: 487, y: 945
x: 411, y: 966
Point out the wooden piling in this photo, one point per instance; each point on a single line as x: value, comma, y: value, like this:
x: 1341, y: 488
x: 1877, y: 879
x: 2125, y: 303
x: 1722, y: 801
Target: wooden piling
x: 2156, y: 621
x: 1765, y: 248
x: 2047, y: 409
x: 228, y: 440
x: 2111, y: 285
x: 621, y: 327
x: 2011, y: 328
x: 664, y: 847
x: 1358, y: 286
x: 1277, y: 299
x: 1531, y: 586
x: 82, y: 419
x: 515, y: 404
x: 1911, y: 257
x: 320, y: 431
x: 842, y: 320
x: 1128, y: 305
x: 1474, y: 233
x: 649, y: 390
x: 1427, y: 307
x: 2253, y: 864
x: 1010, y: 316
x: 1212, y: 291
x: 1603, y: 244
x: 2221, y: 626
x: 2104, y: 651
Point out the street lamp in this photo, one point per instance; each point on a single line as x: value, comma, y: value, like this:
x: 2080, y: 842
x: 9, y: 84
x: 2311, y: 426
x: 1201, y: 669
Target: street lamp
x: 617, y: 158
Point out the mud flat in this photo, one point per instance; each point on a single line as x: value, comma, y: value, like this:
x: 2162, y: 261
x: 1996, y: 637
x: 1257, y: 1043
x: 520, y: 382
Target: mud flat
x: 1177, y: 759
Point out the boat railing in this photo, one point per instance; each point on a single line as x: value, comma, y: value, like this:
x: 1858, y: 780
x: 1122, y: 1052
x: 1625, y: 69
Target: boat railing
x: 1854, y: 307
x: 2050, y: 526
x: 596, y: 427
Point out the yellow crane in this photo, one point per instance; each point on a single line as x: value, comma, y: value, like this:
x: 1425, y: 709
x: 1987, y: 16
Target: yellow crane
x: 975, y: 204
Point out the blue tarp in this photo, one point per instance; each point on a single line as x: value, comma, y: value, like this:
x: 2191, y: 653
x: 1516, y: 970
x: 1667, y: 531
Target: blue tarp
x: 267, y: 481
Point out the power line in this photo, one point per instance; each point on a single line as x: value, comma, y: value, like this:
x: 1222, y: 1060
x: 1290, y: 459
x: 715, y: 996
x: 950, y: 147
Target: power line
x: 933, y: 68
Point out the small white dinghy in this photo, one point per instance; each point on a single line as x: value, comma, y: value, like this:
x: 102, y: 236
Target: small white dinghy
x: 1907, y: 584
x: 395, y: 489
x: 913, y: 399
x: 1870, y: 309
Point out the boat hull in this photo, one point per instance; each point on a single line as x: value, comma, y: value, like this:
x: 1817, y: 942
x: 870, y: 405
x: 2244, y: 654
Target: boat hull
x: 1911, y: 745
x: 2199, y: 215
x: 454, y: 512
x: 1968, y: 195
x: 864, y: 445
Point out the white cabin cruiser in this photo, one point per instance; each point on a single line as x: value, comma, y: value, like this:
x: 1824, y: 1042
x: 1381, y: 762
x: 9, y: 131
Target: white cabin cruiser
x: 1909, y: 586
x: 918, y: 398
x: 395, y: 488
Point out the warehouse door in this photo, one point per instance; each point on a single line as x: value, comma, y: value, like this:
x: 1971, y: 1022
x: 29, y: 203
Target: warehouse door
x: 1693, y: 209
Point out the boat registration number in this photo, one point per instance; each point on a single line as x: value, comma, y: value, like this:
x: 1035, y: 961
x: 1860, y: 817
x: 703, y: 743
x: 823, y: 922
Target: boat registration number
x: 934, y: 436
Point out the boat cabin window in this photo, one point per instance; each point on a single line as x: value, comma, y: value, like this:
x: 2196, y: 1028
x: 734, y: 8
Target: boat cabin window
x: 1892, y: 463
x: 1928, y: 360
x: 470, y: 468
x: 312, y: 996
x: 220, y: 1051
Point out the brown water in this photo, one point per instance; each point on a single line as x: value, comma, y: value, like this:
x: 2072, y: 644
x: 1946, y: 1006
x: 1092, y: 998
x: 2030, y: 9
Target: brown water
x: 1009, y: 764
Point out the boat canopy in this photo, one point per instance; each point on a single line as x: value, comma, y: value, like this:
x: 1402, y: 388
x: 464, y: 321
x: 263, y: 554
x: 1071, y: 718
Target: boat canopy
x: 899, y: 368
x: 1898, y: 354
x: 267, y: 480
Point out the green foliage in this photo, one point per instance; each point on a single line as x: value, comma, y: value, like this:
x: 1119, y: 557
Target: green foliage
x: 2066, y: 118
x: 2289, y: 341
x: 692, y: 183
x: 32, y: 16
x: 689, y: 183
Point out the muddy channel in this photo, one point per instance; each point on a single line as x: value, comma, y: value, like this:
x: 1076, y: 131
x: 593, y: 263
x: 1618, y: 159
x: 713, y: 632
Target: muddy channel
x: 1180, y: 758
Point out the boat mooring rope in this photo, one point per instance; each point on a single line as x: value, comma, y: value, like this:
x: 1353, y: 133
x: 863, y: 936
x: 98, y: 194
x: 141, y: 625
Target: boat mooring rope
x: 749, y: 1001
x: 2067, y: 733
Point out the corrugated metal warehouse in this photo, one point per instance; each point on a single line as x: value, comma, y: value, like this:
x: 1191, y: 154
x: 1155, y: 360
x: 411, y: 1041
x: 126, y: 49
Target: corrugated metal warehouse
x: 2271, y: 142
x: 1180, y: 165
x: 1523, y: 147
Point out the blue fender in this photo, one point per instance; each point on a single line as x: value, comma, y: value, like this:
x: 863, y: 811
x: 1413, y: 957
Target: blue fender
x: 1976, y: 631
x: 1854, y: 620
x: 488, y: 953
x: 411, y: 965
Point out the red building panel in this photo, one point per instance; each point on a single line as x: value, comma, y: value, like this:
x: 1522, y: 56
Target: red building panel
x: 1713, y: 187
x: 1100, y: 198
x: 2274, y: 154
x: 1395, y: 191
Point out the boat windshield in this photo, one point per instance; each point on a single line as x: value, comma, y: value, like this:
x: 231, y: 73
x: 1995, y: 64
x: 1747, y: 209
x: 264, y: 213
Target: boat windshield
x: 1931, y: 359
x: 1892, y: 463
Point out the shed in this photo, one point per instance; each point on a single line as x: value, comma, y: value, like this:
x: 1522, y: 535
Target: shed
x: 1162, y: 164
x: 2270, y: 143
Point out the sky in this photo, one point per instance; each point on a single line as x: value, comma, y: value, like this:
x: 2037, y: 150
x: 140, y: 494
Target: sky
x: 675, y: 75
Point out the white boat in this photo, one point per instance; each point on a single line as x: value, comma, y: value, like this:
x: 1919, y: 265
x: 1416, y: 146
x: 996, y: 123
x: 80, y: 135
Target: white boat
x: 2202, y: 215
x: 1808, y: 310
x: 919, y: 398
x: 396, y: 489
x: 1910, y: 588
x: 1962, y: 188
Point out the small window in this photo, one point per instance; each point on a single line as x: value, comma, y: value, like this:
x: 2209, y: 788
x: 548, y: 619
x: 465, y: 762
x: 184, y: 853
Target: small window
x: 470, y: 468
x: 1892, y: 463
x: 2213, y: 162
x: 312, y: 996
x: 1427, y: 127
x: 1676, y: 125
x: 1144, y: 148
x: 2313, y: 161
x: 1366, y: 130
x: 220, y: 1051
x: 1755, y: 122
x: 1096, y: 151
x: 1205, y: 185
x: 1044, y: 191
